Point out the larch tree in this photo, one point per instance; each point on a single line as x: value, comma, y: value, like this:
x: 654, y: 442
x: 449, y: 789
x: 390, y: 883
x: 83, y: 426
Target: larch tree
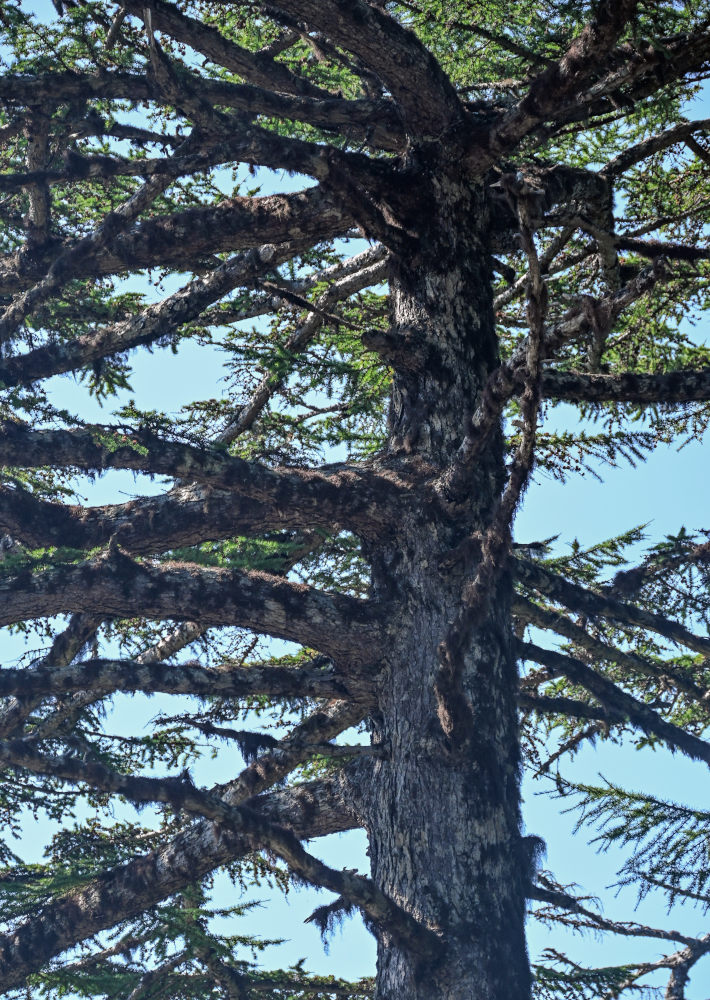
x: 497, y: 207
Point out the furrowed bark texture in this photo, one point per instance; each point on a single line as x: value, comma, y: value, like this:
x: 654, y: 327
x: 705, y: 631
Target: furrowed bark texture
x: 442, y: 809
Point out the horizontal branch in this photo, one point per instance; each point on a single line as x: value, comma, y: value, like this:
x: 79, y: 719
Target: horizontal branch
x: 346, y: 495
x: 117, y: 586
x: 616, y: 701
x: 101, y: 677
x: 310, y: 810
x: 186, y: 515
x: 684, y: 386
x: 660, y: 248
x: 184, y: 238
x: 599, y: 605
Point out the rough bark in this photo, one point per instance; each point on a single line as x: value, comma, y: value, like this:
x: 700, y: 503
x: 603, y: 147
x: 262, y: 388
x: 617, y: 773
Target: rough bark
x: 442, y: 812
x: 313, y: 810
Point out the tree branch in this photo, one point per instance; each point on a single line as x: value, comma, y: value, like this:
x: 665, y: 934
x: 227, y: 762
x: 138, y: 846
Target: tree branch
x: 259, y: 68
x: 618, y: 703
x: 182, y: 795
x: 101, y: 677
x: 345, y: 495
x: 537, y: 576
x: 558, y: 84
x: 654, y: 144
x: 684, y: 386
x: 183, y: 238
x: 375, y: 123
x: 117, y: 586
x: 157, y: 322
x: 424, y: 94
x: 556, y: 622
x: 310, y: 810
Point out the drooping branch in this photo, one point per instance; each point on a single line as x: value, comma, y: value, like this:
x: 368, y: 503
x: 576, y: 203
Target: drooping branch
x: 617, y: 701
x: 601, y: 605
x: 117, y: 586
x: 532, y: 613
x: 545, y: 893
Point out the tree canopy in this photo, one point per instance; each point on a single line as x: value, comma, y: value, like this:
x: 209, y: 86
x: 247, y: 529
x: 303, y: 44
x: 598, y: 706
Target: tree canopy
x: 409, y: 232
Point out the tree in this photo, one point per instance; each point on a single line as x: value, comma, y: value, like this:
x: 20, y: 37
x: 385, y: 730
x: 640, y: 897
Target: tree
x: 503, y: 206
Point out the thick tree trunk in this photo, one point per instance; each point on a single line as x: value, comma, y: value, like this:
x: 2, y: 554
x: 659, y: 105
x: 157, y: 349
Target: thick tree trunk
x: 442, y: 808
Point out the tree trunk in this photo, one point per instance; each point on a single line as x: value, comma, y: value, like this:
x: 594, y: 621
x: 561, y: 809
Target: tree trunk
x: 442, y: 808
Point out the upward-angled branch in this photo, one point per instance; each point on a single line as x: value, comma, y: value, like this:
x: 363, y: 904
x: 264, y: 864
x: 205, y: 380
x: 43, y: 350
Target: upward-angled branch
x: 117, y: 586
x: 310, y: 810
x: 425, y: 96
x: 374, y: 270
x: 558, y: 84
x: 256, y: 67
x: 184, y: 795
x: 66, y: 645
x: 654, y: 144
x: 156, y: 322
